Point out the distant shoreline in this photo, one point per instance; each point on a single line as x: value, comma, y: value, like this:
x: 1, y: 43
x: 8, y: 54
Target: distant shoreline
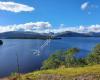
x: 35, y: 38
x: 57, y: 38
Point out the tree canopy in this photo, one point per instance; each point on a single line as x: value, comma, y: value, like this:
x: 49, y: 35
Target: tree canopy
x: 67, y: 58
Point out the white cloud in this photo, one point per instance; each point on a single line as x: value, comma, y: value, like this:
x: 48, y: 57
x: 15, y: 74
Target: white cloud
x: 45, y: 27
x: 15, y: 7
x: 80, y: 29
x: 85, y: 5
x: 32, y: 26
x: 89, y: 7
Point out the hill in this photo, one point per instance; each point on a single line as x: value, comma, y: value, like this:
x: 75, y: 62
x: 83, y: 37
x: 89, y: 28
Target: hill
x: 25, y: 35
x: 78, y: 73
x: 76, y: 34
x: 51, y: 35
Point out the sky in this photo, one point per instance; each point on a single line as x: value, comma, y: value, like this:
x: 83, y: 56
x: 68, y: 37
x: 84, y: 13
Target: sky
x: 56, y: 15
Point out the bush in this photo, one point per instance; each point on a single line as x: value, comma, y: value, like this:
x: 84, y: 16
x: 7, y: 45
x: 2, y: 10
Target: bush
x: 54, y: 61
x: 94, y: 57
x: 70, y: 59
x: 61, y: 58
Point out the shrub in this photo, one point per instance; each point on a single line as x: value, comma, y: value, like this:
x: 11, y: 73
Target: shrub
x: 61, y: 58
x: 94, y: 57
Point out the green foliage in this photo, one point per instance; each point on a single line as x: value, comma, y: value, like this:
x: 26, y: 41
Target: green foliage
x: 94, y: 57
x: 53, y: 61
x: 72, y: 51
x: 61, y: 58
x: 80, y: 62
x: 96, y: 49
x: 68, y: 59
x: 71, y: 60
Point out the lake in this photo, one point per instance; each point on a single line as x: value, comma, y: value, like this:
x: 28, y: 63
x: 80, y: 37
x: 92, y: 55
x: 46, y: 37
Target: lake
x: 28, y: 61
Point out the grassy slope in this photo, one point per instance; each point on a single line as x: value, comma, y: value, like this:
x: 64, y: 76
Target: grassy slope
x: 64, y: 73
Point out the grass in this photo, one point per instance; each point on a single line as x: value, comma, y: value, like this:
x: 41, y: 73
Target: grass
x: 64, y: 73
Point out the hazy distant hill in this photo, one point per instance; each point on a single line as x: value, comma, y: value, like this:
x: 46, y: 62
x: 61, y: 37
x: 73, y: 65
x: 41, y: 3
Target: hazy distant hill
x: 24, y: 35
x: 75, y: 34
x: 70, y: 34
x: 21, y: 34
x: 34, y: 35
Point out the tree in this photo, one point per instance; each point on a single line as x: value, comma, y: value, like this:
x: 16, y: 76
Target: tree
x: 94, y: 57
x: 61, y: 58
x: 70, y: 57
x: 96, y: 50
x: 80, y: 62
x: 54, y: 61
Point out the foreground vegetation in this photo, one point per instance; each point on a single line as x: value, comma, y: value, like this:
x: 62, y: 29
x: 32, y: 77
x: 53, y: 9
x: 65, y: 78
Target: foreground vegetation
x: 79, y: 73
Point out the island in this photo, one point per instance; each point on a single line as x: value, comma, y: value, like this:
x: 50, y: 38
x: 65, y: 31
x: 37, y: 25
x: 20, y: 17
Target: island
x: 1, y: 42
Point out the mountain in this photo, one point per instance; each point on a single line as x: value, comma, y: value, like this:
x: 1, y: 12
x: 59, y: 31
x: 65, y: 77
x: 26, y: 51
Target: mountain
x: 21, y: 34
x: 24, y: 35
x: 71, y: 34
x: 76, y: 34
x: 93, y: 34
x: 51, y: 35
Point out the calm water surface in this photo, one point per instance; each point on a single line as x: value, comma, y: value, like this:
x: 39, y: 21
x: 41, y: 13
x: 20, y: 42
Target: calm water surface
x: 29, y: 62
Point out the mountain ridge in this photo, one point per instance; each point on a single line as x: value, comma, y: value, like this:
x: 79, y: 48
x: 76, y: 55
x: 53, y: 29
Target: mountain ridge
x: 36, y: 35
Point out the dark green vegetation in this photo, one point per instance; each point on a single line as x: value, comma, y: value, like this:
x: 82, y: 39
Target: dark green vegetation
x: 1, y: 42
x: 94, y: 57
x: 68, y: 59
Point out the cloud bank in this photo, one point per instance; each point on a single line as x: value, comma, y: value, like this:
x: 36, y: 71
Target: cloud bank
x: 79, y: 29
x: 15, y: 7
x: 45, y: 27
x: 31, y: 26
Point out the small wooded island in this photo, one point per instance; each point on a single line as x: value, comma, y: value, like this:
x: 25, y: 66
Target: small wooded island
x: 1, y: 42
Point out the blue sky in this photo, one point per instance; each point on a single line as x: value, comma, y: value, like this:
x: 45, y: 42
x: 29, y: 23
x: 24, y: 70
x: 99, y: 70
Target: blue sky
x: 56, y: 12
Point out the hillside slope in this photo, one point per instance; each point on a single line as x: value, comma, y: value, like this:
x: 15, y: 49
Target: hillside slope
x: 79, y: 73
